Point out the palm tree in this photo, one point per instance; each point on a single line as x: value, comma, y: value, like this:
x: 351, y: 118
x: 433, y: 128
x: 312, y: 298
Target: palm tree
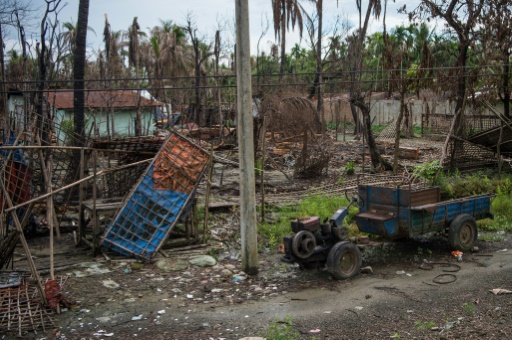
x: 164, y: 55
x: 69, y: 35
x: 420, y: 34
x: 113, y: 68
x: 79, y: 71
x: 68, y: 40
x: 356, y: 97
x: 284, y: 12
x: 114, y: 50
x: 15, y: 68
x: 319, y: 64
x: 133, y: 60
x: 133, y: 45
x: 202, y: 52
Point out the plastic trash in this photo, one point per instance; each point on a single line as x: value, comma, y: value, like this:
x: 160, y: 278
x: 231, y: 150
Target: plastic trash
x: 458, y: 254
x: 238, y: 279
x: 109, y: 283
x: 499, y: 291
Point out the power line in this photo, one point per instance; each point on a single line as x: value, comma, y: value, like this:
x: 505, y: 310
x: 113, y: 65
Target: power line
x: 271, y: 75
x: 347, y: 82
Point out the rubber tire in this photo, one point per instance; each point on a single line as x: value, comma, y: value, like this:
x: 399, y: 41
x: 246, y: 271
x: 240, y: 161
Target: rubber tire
x: 301, y: 249
x: 463, y: 233
x: 340, y: 233
x: 340, y: 252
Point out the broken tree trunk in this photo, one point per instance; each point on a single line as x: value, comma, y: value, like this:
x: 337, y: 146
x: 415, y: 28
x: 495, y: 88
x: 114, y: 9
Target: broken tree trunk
x: 378, y: 163
x: 397, y: 134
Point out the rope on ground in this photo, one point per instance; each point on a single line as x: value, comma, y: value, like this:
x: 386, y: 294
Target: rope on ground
x: 438, y: 279
x: 430, y: 266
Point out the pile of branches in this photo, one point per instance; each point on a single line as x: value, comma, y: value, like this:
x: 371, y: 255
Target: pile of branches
x: 293, y: 117
x: 312, y: 164
x: 290, y: 116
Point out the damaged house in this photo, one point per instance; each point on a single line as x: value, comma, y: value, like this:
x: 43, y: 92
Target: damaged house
x: 108, y: 113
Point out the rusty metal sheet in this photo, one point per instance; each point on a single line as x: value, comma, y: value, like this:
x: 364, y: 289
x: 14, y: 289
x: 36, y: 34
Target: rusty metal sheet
x: 425, y: 196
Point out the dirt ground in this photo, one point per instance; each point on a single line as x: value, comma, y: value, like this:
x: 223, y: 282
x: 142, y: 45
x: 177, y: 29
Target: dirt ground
x: 399, y: 299
x: 172, y: 299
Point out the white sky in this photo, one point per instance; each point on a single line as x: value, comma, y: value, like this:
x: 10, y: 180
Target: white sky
x: 206, y: 14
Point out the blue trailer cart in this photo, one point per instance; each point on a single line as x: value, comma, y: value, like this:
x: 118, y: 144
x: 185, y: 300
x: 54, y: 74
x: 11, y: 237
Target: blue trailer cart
x: 391, y: 212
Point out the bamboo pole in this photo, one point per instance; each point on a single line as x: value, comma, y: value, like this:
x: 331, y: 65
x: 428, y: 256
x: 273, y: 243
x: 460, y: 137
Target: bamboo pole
x: 262, y: 172
x: 208, y: 189
x: 498, y: 148
x: 101, y: 173
x: 56, y: 223
x: 46, y: 168
x: 95, y: 227
x: 53, y: 147
x: 49, y: 217
x: 24, y: 243
x: 50, y: 220
x: 81, y: 198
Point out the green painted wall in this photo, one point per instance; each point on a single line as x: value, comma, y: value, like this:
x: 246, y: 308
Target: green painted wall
x: 96, y: 124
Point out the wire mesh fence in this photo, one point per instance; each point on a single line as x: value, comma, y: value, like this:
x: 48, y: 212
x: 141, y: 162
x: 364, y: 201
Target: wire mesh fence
x: 127, y: 119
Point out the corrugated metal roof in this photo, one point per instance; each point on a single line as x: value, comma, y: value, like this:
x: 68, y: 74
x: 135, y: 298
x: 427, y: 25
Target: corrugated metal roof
x: 101, y: 99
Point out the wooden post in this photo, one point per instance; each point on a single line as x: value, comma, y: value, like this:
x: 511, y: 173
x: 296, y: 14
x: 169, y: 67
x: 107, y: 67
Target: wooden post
x: 246, y: 140
x: 56, y: 223
x: 344, y: 124
x: 49, y: 215
x: 95, y: 226
x: 498, y: 149
x: 81, y: 197
x: 364, y: 150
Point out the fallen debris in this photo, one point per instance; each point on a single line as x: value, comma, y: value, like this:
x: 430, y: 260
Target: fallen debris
x: 110, y: 284
x: 20, y: 307
x: 54, y: 295
x: 203, y: 261
x: 500, y: 291
x: 458, y: 255
x: 367, y: 270
x: 164, y: 191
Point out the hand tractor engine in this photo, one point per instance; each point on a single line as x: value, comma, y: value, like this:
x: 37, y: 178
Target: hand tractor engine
x: 316, y: 243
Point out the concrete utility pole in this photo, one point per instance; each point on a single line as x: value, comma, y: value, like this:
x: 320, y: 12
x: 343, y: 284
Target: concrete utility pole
x: 246, y: 140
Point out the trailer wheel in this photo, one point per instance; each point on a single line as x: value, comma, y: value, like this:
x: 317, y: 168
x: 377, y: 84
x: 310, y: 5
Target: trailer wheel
x: 344, y: 260
x: 303, y: 244
x: 463, y: 233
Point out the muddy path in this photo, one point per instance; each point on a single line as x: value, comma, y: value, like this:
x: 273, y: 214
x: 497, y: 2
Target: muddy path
x: 399, y: 299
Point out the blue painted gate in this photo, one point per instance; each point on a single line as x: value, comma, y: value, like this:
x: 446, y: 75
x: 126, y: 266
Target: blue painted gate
x: 153, y: 206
